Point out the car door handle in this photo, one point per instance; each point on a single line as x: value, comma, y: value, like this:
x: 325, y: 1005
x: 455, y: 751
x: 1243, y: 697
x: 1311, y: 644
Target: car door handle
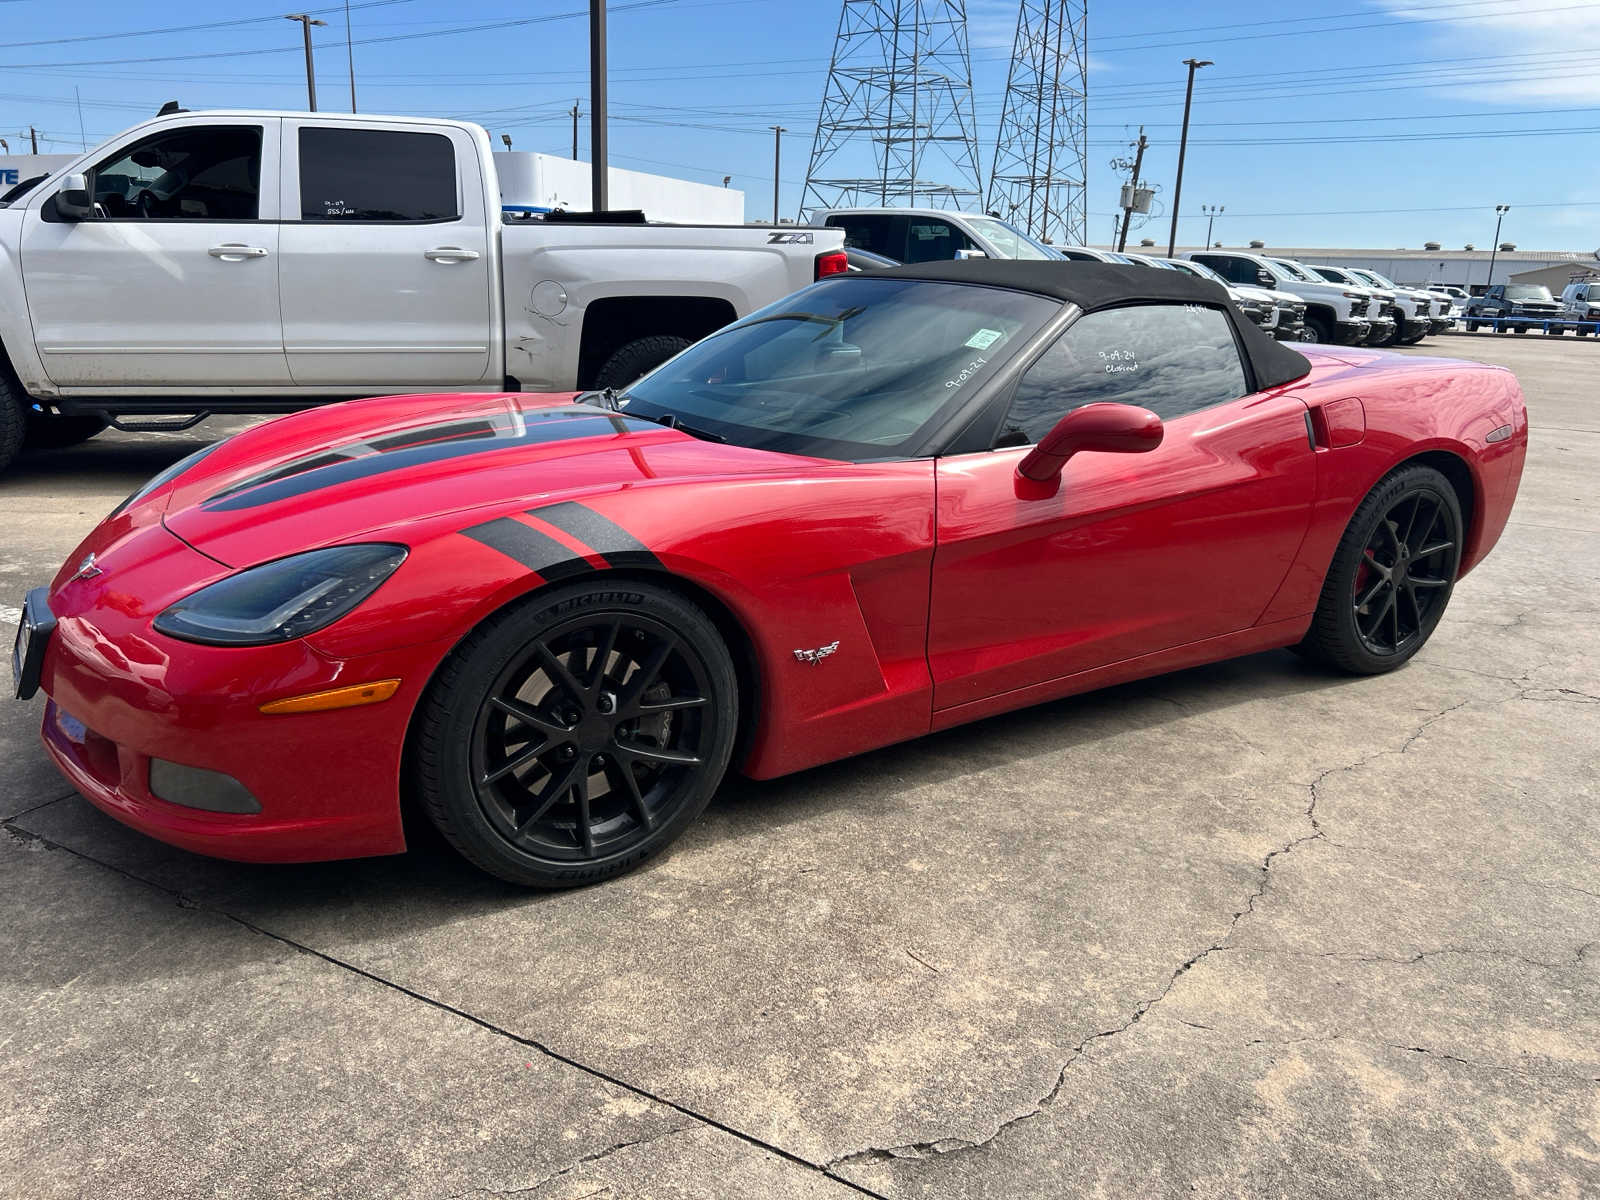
x: 450, y: 254
x: 236, y: 252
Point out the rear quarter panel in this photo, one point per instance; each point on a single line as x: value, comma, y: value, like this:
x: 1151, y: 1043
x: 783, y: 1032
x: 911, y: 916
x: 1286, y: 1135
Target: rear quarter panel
x: 1411, y: 407
x: 740, y: 265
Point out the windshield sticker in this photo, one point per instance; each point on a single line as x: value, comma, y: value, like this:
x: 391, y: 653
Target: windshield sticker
x: 1119, y: 362
x: 966, y: 373
x: 983, y: 339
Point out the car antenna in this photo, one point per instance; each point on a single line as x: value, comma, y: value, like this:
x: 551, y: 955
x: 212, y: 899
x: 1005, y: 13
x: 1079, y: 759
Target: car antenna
x: 170, y: 107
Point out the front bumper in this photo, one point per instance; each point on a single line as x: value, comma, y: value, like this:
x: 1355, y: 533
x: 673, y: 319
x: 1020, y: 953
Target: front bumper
x: 122, y: 697
x: 1381, y: 330
x: 1353, y: 333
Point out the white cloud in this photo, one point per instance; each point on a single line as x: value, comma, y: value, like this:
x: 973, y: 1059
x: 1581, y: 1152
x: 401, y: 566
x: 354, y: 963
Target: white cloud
x: 1529, y: 50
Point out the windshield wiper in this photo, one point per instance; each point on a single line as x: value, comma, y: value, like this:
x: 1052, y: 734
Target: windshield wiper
x: 670, y: 420
x: 610, y: 399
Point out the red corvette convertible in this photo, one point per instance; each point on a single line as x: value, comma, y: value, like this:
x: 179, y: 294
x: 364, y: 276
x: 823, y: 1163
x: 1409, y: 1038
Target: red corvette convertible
x: 888, y: 504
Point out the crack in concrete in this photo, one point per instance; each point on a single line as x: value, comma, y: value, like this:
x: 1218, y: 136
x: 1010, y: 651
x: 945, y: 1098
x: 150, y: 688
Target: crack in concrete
x: 586, y: 1160
x: 183, y: 901
x: 1328, y: 1038
x: 43, y: 804
x: 938, y: 1146
x: 1420, y: 956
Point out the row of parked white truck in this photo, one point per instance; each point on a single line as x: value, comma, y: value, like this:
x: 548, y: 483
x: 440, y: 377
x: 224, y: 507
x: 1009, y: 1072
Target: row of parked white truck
x: 1293, y: 301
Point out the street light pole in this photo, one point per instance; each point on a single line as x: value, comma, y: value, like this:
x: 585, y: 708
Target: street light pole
x: 306, y: 22
x: 350, y: 55
x: 1194, y: 64
x: 597, y: 103
x: 777, y: 153
x: 1211, y: 211
x: 574, y: 131
x: 1500, y: 211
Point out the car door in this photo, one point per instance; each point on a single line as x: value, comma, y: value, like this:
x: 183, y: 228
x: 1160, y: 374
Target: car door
x: 385, y: 268
x: 173, y: 283
x: 1135, y: 553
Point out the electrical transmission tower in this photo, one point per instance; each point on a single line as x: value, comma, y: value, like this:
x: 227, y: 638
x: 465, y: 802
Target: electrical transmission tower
x: 896, y: 124
x: 1041, y: 155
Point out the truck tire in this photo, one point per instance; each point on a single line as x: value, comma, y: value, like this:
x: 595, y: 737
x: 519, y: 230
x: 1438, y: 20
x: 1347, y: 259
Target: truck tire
x: 13, y: 420
x: 49, y: 432
x: 636, y: 358
x: 1319, y: 329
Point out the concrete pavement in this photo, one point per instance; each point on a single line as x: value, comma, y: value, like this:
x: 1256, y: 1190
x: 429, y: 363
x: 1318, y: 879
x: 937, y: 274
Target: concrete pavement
x: 1247, y: 929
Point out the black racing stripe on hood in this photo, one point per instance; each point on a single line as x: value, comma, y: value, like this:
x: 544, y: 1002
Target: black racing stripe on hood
x: 446, y: 440
x: 602, y: 535
x: 535, y: 550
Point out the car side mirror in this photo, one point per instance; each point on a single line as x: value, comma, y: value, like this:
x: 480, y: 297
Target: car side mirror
x: 963, y: 255
x: 73, y: 201
x: 1265, y: 279
x: 1105, y: 427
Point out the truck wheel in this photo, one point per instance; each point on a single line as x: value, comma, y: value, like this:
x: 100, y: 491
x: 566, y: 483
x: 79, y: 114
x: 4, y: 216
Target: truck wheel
x: 1319, y: 329
x: 13, y: 421
x: 637, y: 358
x: 1472, y: 327
x: 48, y: 432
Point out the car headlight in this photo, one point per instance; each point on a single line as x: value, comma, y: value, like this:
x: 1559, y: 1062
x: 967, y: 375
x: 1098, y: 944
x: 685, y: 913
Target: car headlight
x: 283, y: 600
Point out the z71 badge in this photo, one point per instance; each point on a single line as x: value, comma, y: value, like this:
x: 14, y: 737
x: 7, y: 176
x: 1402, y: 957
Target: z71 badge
x: 796, y: 238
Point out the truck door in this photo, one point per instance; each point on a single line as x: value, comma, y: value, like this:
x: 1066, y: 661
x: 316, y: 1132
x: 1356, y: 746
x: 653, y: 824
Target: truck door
x: 174, y: 282
x: 386, y: 268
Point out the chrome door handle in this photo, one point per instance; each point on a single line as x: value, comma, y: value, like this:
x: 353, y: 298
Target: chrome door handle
x: 450, y: 254
x: 236, y: 252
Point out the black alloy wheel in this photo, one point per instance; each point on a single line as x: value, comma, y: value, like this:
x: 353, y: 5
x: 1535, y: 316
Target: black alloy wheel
x: 1401, y: 577
x: 567, y: 744
x: 1391, y: 576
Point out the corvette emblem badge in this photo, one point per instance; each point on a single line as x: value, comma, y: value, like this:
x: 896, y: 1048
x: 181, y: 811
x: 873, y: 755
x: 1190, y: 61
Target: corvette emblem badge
x: 815, y: 656
x: 87, y: 569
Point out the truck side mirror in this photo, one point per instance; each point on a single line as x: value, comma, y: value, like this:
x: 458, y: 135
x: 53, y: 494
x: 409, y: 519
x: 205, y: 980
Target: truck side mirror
x: 73, y: 201
x: 1265, y: 279
x: 964, y: 255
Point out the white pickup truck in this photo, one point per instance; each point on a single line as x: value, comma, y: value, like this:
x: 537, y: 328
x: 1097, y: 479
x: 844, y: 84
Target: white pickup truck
x: 208, y: 262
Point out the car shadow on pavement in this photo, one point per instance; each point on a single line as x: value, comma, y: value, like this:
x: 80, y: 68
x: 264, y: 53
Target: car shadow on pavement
x: 429, y: 885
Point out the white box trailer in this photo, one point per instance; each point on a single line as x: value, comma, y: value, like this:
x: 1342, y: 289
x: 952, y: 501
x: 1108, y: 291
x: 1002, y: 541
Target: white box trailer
x: 534, y: 180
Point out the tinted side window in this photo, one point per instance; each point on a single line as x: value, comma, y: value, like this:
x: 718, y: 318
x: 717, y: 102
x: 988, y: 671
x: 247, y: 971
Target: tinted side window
x: 1230, y: 269
x: 1172, y: 359
x: 865, y: 231
x: 376, y: 175
x: 929, y: 239
x: 202, y: 173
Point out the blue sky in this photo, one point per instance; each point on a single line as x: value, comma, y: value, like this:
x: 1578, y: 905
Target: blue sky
x: 1336, y: 123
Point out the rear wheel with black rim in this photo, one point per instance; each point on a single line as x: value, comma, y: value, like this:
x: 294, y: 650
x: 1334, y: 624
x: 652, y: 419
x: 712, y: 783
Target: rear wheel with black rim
x: 571, y: 738
x: 1391, y: 576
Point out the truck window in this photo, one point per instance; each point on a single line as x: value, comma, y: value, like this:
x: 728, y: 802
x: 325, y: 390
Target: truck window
x: 377, y: 175
x: 864, y: 231
x: 1234, y: 270
x: 928, y: 239
x: 199, y: 173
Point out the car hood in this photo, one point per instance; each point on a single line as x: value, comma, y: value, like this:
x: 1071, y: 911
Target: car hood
x: 398, y: 467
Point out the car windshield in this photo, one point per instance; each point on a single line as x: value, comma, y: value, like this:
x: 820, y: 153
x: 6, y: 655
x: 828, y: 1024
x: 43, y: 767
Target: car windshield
x: 1294, y: 271
x: 855, y: 368
x: 1528, y: 291
x: 1373, y: 277
x: 1009, y: 242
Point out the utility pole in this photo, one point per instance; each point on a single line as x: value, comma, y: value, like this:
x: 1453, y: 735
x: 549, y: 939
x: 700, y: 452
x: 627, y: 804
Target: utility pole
x: 1211, y: 211
x: 597, y: 103
x: 1194, y: 64
x: 350, y: 55
x: 33, y: 138
x: 777, y: 153
x: 306, y: 22
x: 1500, y: 211
x: 574, y: 131
x: 1133, y: 186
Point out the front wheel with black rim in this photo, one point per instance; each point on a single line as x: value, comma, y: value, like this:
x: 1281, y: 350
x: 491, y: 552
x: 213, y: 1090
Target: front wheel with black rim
x: 570, y: 738
x: 1391, y: 576
x: 1318, y: 329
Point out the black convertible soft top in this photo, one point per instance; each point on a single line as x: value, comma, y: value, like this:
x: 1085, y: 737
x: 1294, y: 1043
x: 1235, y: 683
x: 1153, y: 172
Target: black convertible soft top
x: 1092, y: 285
